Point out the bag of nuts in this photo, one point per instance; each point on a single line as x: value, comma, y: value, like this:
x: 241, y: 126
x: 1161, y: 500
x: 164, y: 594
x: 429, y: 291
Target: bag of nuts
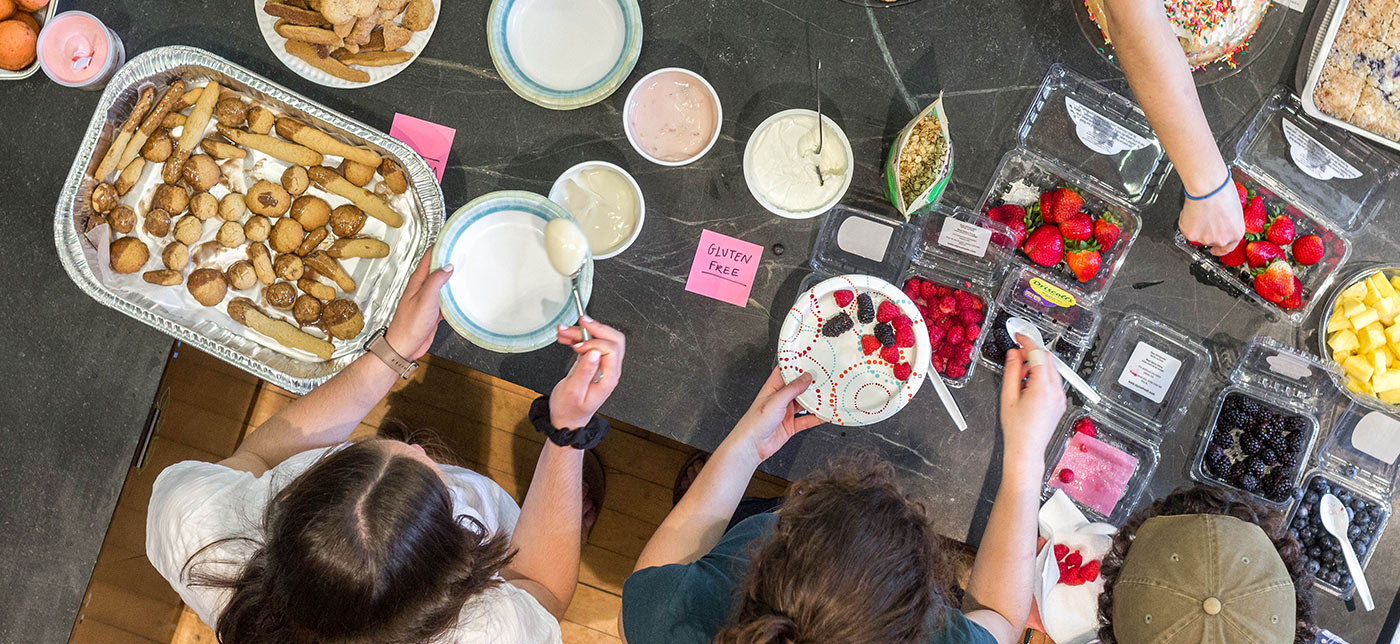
x: 920, y: 161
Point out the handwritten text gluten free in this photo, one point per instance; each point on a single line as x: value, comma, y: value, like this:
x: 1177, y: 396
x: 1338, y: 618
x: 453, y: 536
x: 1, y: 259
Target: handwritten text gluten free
x: 726, y: 261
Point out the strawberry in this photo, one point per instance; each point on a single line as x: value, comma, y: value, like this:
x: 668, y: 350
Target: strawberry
x: 1086, y: 426
x: 1045, y: 246
x: 1307, y: 250
x: 1276, y: 282
x: 1244, y: 194
x: 1066, y: 202
x: 1076, y: 226
x: 1293, y: 301
x: 886, y: 312
x: 1255, y: 218
x: 1006, y: 213
x: 1106, y: 230
x: 870, y: 344
x: 1281, y: 231
x: 1090, y: 571
x: 1061, y: 551
x: 903, y: 371
x: 1084, y: 260
x: 844, y: 298
x: 1047, y: 207
x: 904, y: 337
x: 1234, y: 257
x: 1260, y: 253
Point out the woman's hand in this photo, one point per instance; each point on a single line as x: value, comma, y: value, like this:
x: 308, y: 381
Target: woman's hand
x: 592, y: 378
x: 416, y: 320
x: 1030, y: 410
x: 1216, y: 223
x: 772, y: 418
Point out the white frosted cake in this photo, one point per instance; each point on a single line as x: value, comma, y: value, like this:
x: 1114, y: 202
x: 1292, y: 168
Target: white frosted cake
x: 1208, y: 30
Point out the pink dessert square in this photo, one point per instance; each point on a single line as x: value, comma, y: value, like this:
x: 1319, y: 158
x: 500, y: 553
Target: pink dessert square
x: 1101, y: 472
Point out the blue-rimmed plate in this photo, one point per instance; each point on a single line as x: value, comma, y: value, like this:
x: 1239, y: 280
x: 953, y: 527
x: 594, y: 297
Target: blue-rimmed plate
x: 504, y: 295
x: 564, y: 54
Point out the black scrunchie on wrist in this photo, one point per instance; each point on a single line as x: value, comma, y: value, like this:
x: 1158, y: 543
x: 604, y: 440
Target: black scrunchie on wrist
x: 586, y: 437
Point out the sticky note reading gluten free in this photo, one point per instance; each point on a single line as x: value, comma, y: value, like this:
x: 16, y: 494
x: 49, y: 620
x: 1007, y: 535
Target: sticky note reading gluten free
x: 724, y: 268
x: 431, y: 141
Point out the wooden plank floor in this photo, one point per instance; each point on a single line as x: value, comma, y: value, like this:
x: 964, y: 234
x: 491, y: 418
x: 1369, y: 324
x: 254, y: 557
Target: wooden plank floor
x: 481, y: 420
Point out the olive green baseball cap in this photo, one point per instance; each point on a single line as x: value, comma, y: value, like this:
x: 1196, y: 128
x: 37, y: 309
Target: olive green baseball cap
x: 1203, y: 579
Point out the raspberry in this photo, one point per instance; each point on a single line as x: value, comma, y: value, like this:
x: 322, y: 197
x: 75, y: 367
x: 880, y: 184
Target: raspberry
x: 890, y: 355
x: 865, y: 308
x: 1061, y: 551
x: 1074, y: 559
x: 885, y: 334
x: 843, y: 298
x: 1090, y: 571
x: 970, y: 316
x: 948, y: 350
x: 947, y: 305
x: 886, y: 311
x: 936, y: 333
x: 964, y: 352
x: 838, y: 324
x: 903, y: 370
x: 963, y: 299
x: 928, y: 290
x: 1086, y: 426
x: 1074, y: 578
x: 911, y: 289
x: 904, y: 337
x: 902, y: 321
x: 942, y: 291
x: 1066, y: 476
x: 938, y: 363
x: 869, y: 344
x: 977, y: 304
x: 956, y: 371
x: 954, y: 335
x: 972, y: 331
x: 944, y: 322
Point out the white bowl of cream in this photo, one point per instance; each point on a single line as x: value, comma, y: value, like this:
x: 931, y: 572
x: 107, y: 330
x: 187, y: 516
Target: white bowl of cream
x: 781, y: 161
x: 672, y: 116
x: 606, y: 202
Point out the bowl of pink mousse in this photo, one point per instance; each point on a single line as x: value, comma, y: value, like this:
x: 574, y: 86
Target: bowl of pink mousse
x: 672, y: 116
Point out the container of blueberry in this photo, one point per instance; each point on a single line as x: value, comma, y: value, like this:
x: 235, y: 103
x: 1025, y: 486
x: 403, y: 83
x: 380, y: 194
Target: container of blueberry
x: 1104, y: 455
x: 944, y: 258
x: 1356, y: 462
x: 1266, y: 422
x: 1066, y: 323
x: 1098, y: 147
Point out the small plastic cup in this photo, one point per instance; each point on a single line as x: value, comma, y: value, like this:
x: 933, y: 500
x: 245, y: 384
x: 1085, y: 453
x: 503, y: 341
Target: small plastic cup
x: 76, y: 50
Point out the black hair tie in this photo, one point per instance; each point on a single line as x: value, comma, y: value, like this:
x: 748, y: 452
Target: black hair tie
x: 586, y: 437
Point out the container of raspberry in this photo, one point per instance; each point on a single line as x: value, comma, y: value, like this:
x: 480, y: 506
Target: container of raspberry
x: 1306, y: 191
x: 1104, y: 455
x: 1266, y: 422
x: 1066, y: 323
x: 1085, y: 164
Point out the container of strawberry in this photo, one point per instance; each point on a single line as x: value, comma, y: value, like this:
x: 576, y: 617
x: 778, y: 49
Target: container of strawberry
x: 1085, y: 164
x: 1104, y: 454
x: 1066, y: 323
x: 1305, y: 190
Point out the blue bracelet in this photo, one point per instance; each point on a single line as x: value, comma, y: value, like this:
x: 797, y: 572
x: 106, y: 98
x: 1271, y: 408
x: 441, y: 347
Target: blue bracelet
x: 1229, y: 177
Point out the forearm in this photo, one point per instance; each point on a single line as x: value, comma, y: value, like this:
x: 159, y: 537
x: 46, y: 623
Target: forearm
x: 1003, y: 572
x: 549, y: 531
x: 1156, y: 69
x: 696, y: 524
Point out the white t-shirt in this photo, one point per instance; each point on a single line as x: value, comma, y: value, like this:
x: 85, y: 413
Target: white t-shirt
x: 194, y: 504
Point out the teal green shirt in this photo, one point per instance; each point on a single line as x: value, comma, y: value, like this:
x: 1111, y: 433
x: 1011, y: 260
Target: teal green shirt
x: 690, y: 604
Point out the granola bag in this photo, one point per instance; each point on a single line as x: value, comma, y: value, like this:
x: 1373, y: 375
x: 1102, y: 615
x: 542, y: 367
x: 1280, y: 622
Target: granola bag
x: 920, y: 161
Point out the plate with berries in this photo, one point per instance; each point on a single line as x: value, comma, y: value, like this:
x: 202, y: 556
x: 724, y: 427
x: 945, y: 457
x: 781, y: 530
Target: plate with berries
x: 863, y: 341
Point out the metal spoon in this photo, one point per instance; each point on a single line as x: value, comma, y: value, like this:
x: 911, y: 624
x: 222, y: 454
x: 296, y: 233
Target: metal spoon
x: 561, y: 236
x: 1336, y: 521
x: 821, y: 130
x: 1018, y: 328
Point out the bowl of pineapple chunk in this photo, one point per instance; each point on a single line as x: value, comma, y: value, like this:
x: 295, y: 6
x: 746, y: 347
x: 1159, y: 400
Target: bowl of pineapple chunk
x: 1361, y: 333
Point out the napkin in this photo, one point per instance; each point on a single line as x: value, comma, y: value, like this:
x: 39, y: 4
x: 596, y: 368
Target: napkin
x: 1068, y: 614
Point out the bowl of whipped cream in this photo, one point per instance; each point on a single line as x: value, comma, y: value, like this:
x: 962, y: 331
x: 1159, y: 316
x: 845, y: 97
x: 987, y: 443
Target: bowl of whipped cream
x: 795, y: 170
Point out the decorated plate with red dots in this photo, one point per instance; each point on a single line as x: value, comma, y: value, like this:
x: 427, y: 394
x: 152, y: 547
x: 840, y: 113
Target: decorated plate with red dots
x: 863, y: 341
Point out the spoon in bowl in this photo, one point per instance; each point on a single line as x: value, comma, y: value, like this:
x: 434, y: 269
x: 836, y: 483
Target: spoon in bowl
x: 568, y: 249
x: 1019, y: 328
x: 1336, y: 521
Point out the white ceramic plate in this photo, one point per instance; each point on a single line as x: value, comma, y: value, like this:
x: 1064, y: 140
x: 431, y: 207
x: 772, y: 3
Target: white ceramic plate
x: 848, y: 388
x: 277, y: 43
x: 564, y: 54
x: 504, y: 294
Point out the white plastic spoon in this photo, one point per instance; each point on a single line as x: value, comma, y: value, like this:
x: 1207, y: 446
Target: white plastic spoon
x: 1018, y: 327
x: 1335, y: 519
x: 947, y: 398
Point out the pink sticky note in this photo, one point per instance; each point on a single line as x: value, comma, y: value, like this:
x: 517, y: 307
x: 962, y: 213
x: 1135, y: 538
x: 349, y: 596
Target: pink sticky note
x: 724, y: 268
x: 431, y: 141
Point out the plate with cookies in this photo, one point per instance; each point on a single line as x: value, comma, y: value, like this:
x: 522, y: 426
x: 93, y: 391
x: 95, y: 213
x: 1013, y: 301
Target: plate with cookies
x: 347, y: 43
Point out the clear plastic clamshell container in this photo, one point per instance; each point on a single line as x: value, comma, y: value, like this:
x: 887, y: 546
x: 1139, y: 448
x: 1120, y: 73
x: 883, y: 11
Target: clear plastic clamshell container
x: 1066, y: 323
x: 1329, y: 182
x: 1286, y: 383
x: 1079, y: 134
x: 1148, y: 377
x: 950, y: 246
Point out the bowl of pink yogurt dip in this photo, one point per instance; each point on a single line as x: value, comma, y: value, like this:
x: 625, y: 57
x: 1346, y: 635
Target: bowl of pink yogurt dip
x: 672, y: 116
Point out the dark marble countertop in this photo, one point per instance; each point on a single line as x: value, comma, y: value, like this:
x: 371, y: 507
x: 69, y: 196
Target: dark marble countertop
x: 693, y: 363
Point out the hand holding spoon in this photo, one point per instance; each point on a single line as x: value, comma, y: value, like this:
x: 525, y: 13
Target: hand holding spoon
x: 1019, y: 328
x: 1336, y: 521
x: 568, y: 249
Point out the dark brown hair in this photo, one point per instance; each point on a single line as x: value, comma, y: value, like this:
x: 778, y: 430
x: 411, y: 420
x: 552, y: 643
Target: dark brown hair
x: 361, y: 547
x: 852, y: 561
x: 1204, y: 499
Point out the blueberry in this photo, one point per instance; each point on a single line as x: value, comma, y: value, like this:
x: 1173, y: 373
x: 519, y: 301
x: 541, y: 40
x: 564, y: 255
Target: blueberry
x: 1311, y: 498
x: 1363, y: 518
x: 1332, y: 578
x: 1344, y: 496
x: 1315, y: 552
x: 1354, y: 531
x: 1298, y: 524
x: 1329, y: 556
x: 1360, y: 549
x: 1303, y: 512
x: 1320, y: 486
x: 1313, y: 566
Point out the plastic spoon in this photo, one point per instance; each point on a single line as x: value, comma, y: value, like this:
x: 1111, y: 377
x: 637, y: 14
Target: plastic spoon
x: 947, y: 398
x: 568, y: 248
x: 1336, y: 521
x: 1018, y: 327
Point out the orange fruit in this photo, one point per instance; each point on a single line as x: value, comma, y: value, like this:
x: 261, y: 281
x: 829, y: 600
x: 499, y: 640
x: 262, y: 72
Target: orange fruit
x: 32, y: 5
x: 16, y: 45
x: 27, y: 18
x: 7, y: 9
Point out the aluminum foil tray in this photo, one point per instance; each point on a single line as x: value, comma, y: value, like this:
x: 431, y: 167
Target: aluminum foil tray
x: 221, y: 336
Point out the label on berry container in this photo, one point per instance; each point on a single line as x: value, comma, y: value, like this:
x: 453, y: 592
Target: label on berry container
x: 1150, y: 372
x: 964, y: 237
x: 1047, y: 294
x: 1313, y: 158
x: 1099, y: 133
x: 1377, y: 435
x: 860, y: 236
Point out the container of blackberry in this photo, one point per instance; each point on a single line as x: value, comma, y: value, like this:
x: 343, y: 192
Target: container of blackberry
x: 1148, y: 377
x: 1330, y: 183
x: 1356, y: 460
x: 1079, y: 134
x: 1266, y: 422
x: 1066, y: 323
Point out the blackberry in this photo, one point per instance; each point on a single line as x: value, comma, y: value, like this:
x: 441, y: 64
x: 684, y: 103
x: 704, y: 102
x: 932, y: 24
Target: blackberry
x: 1216, y: 459
x: 1232, y: 416
x: 1247, y: 482
x: 1249, y: 443
x: 1269, y: 456
x: 1295, y: 441
x: 1278, y: 441
x: 1288, y: 458
x: 1255, y: 466
x: 1296, y: 424
x: 885, y: 334
x: 1223, y: 438
x: 1277, y: 487
x: 838, y: 324
x: 865, y: 308
x: 1250, y: 407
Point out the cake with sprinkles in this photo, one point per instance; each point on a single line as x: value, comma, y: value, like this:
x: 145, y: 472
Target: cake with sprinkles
x: 1360, y: 80
x: 1209, y: 30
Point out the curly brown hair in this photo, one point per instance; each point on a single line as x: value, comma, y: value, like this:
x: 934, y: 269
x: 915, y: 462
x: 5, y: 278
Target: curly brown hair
x: 853, y: 560
x: 1204, y: 499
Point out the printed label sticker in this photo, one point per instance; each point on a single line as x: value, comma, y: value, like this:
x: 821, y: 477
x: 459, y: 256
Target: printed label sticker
x: 1313, y: 158
x: 1150, y: 372
x: 964, y: 237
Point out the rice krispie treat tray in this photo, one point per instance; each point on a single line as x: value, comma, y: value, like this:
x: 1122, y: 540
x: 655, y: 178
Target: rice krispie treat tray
x: 1353, y: 78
